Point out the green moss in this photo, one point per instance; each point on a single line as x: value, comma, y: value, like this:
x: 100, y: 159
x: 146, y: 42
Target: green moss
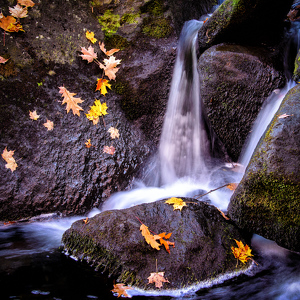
x: 158, y: 28
x: 154, y: 7
x: 116, y: 41
x: 130, y: 18
x: 109, y: 22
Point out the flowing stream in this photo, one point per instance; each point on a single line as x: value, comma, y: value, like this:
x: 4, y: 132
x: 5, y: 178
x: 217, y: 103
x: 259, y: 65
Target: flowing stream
x: 32, y: 267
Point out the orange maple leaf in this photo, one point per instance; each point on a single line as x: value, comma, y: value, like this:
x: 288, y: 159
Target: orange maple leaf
x: 71, y: 101
x: 88, y: 54
x: 27, y: 3
x: 165, y: 242
x: 242, y: 253
x: 177, y: 203
x: 33, y: 115
x: 232, y: 186
x: 108, y: 53
x: 88, y: 144
x: 101, y: 86
x: 150, y: 239
x: 157, y: 278
x: 120, y: 289
x: 86, y: 220
x: 49, y: 125
x: 10, y: 161
x: 10, y: 24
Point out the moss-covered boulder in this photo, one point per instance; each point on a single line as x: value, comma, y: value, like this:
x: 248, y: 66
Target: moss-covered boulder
x: 234, y: 82
x: 249, y: 22
x: 267, y: 201
x: 112, y: 241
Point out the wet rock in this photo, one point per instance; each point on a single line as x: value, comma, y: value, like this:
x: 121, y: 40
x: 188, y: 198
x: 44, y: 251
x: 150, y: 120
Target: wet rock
x: 267, y: 201
x: 234, y: 82
x: 245, y: 22
x: 112, y: 241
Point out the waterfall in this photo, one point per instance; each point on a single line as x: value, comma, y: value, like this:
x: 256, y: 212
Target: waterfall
x: 184, y: 143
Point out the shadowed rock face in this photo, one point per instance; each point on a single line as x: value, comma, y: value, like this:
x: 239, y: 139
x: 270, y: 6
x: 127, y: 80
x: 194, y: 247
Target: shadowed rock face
x: 267, y: 201
x: 112, y: 240
x: 234, y: 82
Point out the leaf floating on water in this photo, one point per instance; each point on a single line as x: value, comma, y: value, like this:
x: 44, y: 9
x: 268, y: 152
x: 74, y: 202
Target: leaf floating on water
x: 176, y: 202
x: 120, y: 289
x: 157, y: 278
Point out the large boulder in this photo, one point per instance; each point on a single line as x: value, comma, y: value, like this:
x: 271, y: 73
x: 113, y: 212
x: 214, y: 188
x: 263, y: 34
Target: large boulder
x: 112, y: 241
x: 245, y: 22
x: 234, y: 82
x: 267, y: 201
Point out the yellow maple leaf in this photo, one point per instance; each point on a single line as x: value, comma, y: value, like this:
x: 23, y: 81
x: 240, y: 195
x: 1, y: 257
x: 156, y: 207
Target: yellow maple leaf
x: 96, y: 111
x: 177, y: 203
x: 242, y: 253
x: 72, y: 103
x: 120, y: 289
x: 150, y: 239
x: 157, y: 278
x: 90, y: 36
x: 101, y: 86
x: 33, y: 115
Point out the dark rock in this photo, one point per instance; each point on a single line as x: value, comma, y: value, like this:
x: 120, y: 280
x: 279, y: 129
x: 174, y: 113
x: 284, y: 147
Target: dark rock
x: 113, y: 242
x: 267, y: 201
x: 245, y: 22
x: 234, y: 82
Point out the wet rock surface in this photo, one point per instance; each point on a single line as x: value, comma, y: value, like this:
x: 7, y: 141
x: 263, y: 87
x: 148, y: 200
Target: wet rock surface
x: 112, y: 240
x: 234, y: 82
x: 267, y: 201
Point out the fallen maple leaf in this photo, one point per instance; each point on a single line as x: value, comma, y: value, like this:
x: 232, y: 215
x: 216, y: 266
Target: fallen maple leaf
x: 33, y: 115
x: 109, y: 150
x: 120, y: 289
x: 108, y: 53
x: 111, y: 62
x: 157, y: 278
x: 110, y: 69
x: 101, y: 86
x: 114, y: 132
x: 49, y: 125
x: 165, y: 242
x: 88, y: 54
x: 90, y: 36
x: 242, y: 253
x: 232, y: 186
x: 18, y: 11
x: 88, y: 143
x: 96, y: 111
x: 3, y: 60
x: 283, y: 116
x: 27, y: 3
x: 71, y: 101
x: 150, y: 239
x: 10, y: 24
x: 177, y: 203
x: 10, y: 161
x: 86, y: 220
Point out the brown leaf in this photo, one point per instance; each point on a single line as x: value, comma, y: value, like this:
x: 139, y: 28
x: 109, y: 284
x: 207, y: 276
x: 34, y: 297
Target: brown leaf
x: 72, y: 103
x: 108, y: 53
x: 109, y: 150
x: 49, y: 125
x: 157, y: 278
x: 88, y: 54
x: 114, y: 132
x: 10, y: 24
x: 120, y: 289
x: 232, y: 186
x: 3, y: 60
x: 27, y: 3
x: 18, y: 11
x: 10, y: 161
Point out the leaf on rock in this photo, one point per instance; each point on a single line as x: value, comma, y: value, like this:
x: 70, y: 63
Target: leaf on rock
x: 110, y: 69
x: 10, y: 24
x: 114, y: 132
x: 101, y: 86
x: 18, y: 11
x: 176, y: 202
x: 88, y: 143
x: 232, y: 186
x: 150, y: 239
x: 283, y: 116
x: 72, y: 103
x: 33, y: 115
x: 10, y: 161
x: 108, y: 53
x: 86, y: 220
x: 90, y: 36
x: 88, y: 54
x: 49, y: 125
x: 242, y: 253
x: 109, y: 150
x: 164, y: 242
x: 120, y: 289
x: 157, y: 278
x: 96, y: 111
x: 27, y: 3
x: 3, y: 60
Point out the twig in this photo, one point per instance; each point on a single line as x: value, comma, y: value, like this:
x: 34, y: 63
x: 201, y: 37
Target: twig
x: 199, y: 196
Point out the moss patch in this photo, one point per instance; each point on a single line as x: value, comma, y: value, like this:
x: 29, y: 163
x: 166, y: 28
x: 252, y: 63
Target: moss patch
x: 110, y: 22
x: 158, y: 28
x: 116, y: 41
